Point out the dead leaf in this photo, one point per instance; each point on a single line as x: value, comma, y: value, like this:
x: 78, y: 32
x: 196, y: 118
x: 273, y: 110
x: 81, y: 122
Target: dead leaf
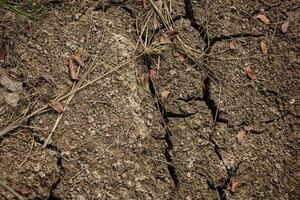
x: 232, y: 44
x: 2, y: 55
x: 145, y: 82
x: 12, y: 99
x: 167, y: 37
x: 72, y: 70
x: 263, y: 18
x: 156, y: 23
x: 248, y: 127
x: 235, y: 185
x: 14, y: 86
x: 264, y: 47
x: 78, y: 58
x: 49, y: 79
x: 250, y: 73
x: 285, y: 26
x: 241, y: 136
x: 180, y: 57
x: 56, y: 105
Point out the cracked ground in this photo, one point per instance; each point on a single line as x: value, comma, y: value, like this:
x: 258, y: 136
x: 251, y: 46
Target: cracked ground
x: 122, y: 137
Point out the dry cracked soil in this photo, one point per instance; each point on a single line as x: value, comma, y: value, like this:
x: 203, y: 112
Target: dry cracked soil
x: 173, y: 113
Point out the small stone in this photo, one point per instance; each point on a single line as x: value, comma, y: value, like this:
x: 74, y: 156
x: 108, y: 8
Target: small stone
x: 67, y: 123
x: 90, y: 119
x: 42, y: 174
x: 80, y: 197
x: 12, y: 99
x: 77, y: 16
x: 38, y: 167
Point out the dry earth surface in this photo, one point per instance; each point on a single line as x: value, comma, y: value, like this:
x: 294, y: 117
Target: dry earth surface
x: 173, y: 114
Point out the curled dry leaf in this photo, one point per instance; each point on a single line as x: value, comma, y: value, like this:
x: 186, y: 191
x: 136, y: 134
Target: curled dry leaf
x: 145, y: 82
x: 235, y: 185
x: 156, y: 23
x: 49, y: 79
x: 241, y: 136
x: 285, y: 26
x: 14, y: 86
x: 72, y: 70
x: 167, y: 37
x: 180, y: 57
x: 78, y: 58
x: 56, y: 105
x: 264, y: 47
x: 2, y: 55
x: 250, y: 73
x: 263, y: 18
x: 232, y: 44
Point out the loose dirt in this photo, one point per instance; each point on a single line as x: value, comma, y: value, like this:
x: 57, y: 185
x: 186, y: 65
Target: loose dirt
x: 164, y: 125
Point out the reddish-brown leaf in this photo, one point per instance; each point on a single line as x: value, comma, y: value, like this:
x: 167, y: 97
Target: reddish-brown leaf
x: 263, y: 18
x: 250, y: 73
x: 241, y: 136
x: 264, y: 47
x: 180, y: 57
x: 234, y: 185
x: 78, y: 58
x: 56, y: 105
x: 285, y: 26
x: 156, y: 23
x: 72, y: 70
x: 167, y: 37
x: 232, y: 44
x: 2, y: 55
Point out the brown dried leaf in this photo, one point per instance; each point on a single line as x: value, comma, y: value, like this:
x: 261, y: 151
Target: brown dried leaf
x: 2, y: 55
x: 250, y: 73
x: 167, y: 37
x: 248, y: 127
x: 232, y: 44
x: 56, y: 105
x: 235, y: 185
x: 264, y: 47
x: 180, y: 57
x: 263, y: 18
x: 78, y: 58
x: 285, y: 26
x: 145, y: 82
x: 49, y: 79
x: 14, y: 86
x: 241, y: 136
x: 156, y: 23
x: 72, y: 70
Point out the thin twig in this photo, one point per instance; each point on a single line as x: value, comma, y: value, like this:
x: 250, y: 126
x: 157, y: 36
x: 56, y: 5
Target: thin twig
x: 28, y: 154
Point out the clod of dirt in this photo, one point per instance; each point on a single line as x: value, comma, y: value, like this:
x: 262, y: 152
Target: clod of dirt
x: 248, y: 127
x: 13, y: 86
x: 285, y: 26
x: 12, y: 99
x: 263, y: 18
x: 264, y: 47
x: 56, y: 105
x: 250, y: 73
